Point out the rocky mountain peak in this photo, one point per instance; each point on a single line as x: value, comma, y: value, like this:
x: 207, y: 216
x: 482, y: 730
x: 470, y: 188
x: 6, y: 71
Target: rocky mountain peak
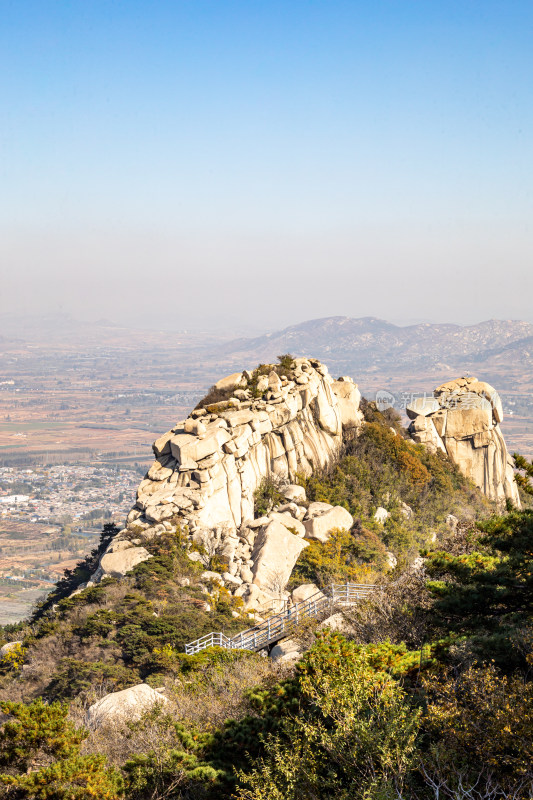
x: 278, y: 421
x: 462, y: 420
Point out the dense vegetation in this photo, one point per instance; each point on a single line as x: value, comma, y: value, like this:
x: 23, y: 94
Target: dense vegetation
x: 121, y: 632
x: 427, y: 694
x: 382, y: 468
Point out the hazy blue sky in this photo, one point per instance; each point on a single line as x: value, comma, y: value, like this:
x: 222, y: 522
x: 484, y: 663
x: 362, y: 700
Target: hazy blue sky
x: 188, y: 163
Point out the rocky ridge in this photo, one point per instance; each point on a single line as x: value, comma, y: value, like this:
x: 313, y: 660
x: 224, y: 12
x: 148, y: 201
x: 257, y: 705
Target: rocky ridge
x: 278, y: 421
x: 462, y: 419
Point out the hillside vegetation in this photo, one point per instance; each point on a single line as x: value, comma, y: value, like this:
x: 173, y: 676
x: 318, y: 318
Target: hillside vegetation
x: 426, y: 694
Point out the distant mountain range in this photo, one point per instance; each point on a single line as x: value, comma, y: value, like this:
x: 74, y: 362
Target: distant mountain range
x: 351, y: 345
x: 348, y: 345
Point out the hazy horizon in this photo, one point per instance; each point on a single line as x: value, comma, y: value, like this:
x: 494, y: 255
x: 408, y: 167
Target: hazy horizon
x: 13, y: 325
x: 242, y: 166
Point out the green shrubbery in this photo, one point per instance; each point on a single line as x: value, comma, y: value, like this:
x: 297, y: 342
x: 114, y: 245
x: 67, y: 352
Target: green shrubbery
x: 354, y: 735
x: 214, y: 396
x: 40, y: 753
x: 267, y: 496
x: 79, y: 575
x: 341, y: 559
x: 486, y: 593
x: 353, y: 721
x: 120, y: 633
x: 381, y: 468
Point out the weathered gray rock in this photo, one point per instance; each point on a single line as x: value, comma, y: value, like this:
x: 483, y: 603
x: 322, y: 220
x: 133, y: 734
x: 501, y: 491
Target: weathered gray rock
x: 422, y: 406
x: 452, y: 522
x: 194, y: 426
x: 289, y: 521
x: 348, y: 399
x: 286, y: 652
x: 262, y: 384
x: 298, y: 512
x: 337, y: 622
x: 423, y: 431
x: 318, y: 508
x: 230, y: 382
x: 320, y: 527
x: 209, y: 466
x: 231, y: 581
x: 187, y: 447
x: 215, y: 577
x: 161, y: 446
x: 254, y: 598
x: 246, y: 574
x: 127, y: 705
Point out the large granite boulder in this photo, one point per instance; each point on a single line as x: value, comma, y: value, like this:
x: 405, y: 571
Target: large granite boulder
x: 348, y: 399
x: 127, y: 705
x: 118, y: 563
x: 275, y: 553
x: 230, y: 382
x: 294, y: 492
x: 462, y: 420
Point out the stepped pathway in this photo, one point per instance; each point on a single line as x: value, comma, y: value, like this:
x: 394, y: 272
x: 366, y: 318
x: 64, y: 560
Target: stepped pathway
x: 278, y: 626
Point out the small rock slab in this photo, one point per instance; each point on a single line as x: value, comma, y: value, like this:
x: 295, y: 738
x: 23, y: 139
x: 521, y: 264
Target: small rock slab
x: 8, y: 647
x: 305, y: 591
x: 294, y: 493
x: 320, y: 527
x: 381, y: 515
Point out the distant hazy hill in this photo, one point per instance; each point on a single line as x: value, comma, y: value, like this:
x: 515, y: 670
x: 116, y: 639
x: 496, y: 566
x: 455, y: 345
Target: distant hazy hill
x: 519, y: 353
x: 362, y: 344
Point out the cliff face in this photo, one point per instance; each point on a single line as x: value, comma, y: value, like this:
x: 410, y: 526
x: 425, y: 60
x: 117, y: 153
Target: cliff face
x: 208, y: 467
x: 462, y: 420
x: 278, y: 422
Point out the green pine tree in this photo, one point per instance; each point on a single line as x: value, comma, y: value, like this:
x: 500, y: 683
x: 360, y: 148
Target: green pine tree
x: 40, y: 752
x: 487, y: 594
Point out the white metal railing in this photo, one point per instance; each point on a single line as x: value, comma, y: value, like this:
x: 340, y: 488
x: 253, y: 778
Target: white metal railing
x: 276, y: 627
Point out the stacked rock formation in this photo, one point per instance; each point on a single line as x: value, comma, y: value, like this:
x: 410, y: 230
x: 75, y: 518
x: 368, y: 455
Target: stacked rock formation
x: 278, y: 422
x: 462, y: 419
